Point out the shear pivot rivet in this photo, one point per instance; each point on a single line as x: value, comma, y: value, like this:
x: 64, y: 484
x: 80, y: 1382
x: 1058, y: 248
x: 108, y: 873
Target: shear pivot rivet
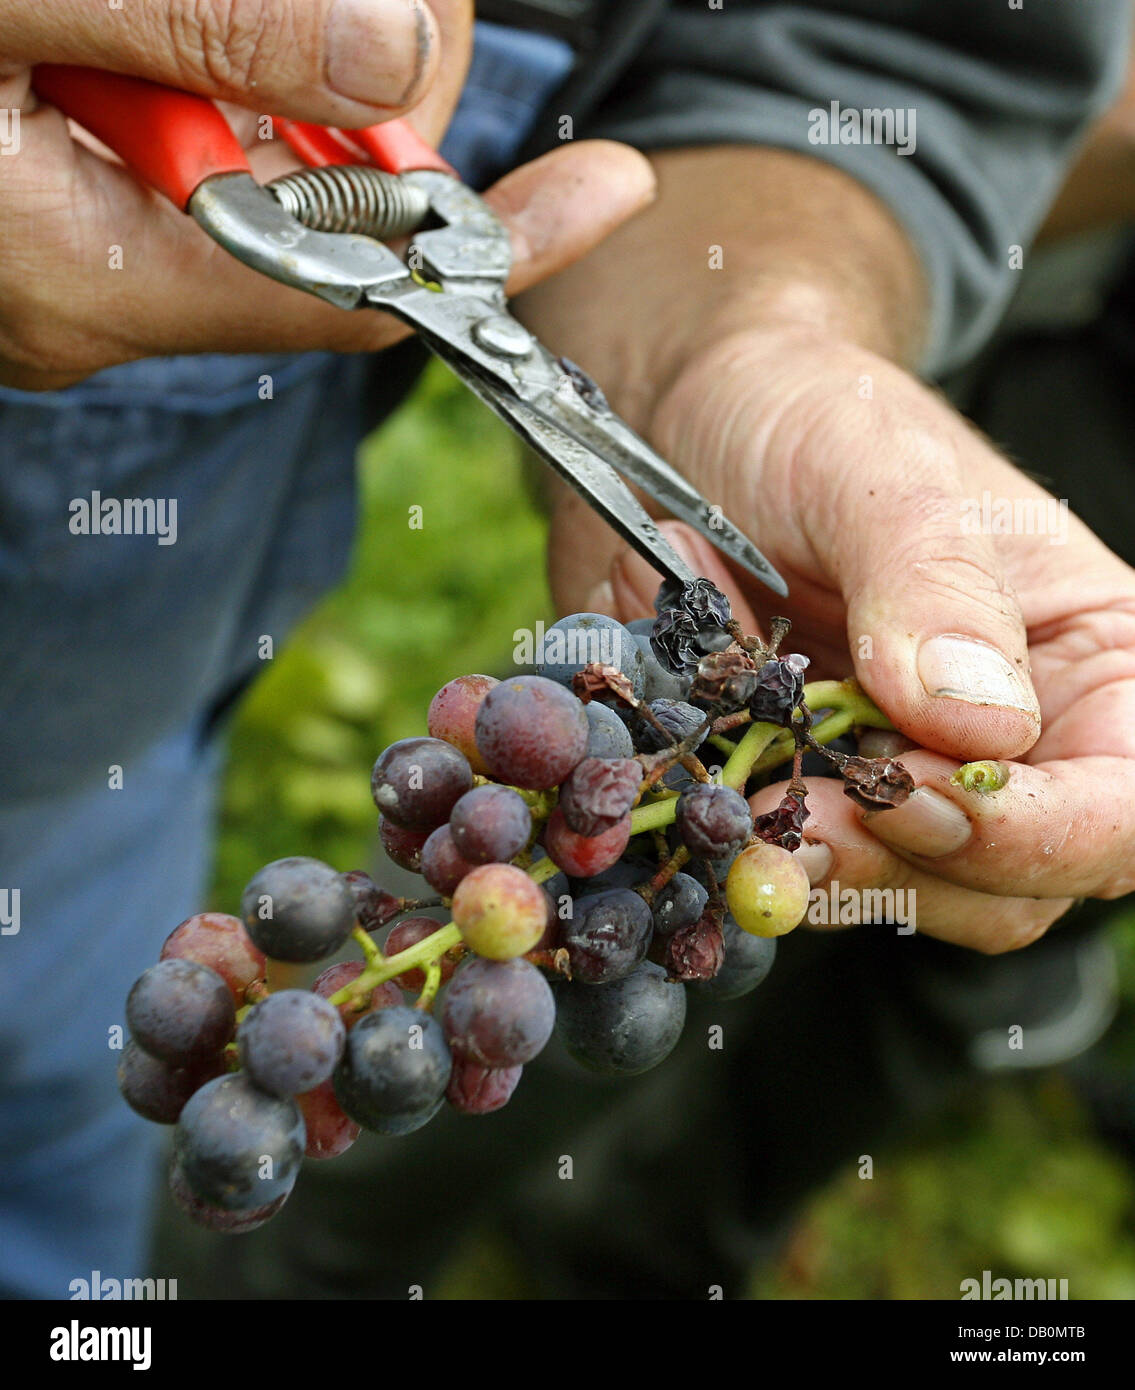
x: 503, y: 336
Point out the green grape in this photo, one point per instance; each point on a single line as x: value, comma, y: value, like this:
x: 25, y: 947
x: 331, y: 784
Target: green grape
x: 767, y: 890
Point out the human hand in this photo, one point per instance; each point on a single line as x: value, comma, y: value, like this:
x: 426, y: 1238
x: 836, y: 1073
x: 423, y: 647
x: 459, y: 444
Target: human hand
x: 855, y: 480
x: 65, y: 313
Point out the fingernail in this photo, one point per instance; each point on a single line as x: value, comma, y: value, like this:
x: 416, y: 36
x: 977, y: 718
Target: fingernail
x: 601, y: 599
x: 960, y: 668
x: 926, y: 823
x: 377, y: 50
x: 815, y: 860
x: 883, y: 743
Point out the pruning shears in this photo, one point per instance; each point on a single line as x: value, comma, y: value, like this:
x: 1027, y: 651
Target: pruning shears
x: 322, y: 229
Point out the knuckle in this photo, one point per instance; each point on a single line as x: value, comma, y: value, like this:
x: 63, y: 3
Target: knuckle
x: 233, y: 43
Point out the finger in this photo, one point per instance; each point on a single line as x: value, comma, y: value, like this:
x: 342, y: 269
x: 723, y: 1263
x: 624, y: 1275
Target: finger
x: 857, y: 879
x: 432, y: 114
x: 937, y: 633
x: 178, y: 291
x: 340, y: 62
x: 1057, y: 829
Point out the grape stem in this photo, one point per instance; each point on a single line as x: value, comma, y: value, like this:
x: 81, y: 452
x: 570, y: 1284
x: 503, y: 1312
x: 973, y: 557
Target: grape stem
x: 762, y: 746
x: 429, y: 949
x: 542, y: 870
x: 371, y: 954
x: 430, y: 988
x: 765, y: 746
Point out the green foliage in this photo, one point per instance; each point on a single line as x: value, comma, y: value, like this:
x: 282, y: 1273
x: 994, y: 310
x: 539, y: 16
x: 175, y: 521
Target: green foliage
x: 1011, y: 1180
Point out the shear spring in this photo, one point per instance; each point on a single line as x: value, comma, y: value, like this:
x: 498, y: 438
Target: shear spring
x: 351, y: 198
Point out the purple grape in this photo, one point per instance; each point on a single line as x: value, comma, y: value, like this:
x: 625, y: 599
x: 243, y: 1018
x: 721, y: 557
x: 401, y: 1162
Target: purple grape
x: 291, y: 1042
x: 660, y: 683
x: 582, y: 638
x: 679, y: 719
x: 158, y: 1091
x: 202, y: 1213
x: 599, y: 793
x: 498, y: 1013
x: 607, y: 936
x: 403, y: 846
x: 713, y: 821
x: 690, y: 624
x: 609, y: 736
x: 624, y: 1028
x: 490, y: 825
x: 679, y: 904
x: 416, y: 781
x: 531, y: 732
x: 374, y: 906
x: 237, y: 1147
x: 780, y: 688
x: 443, y: 866
x: 181, y: 1012
x: 298, y: 910
x: 395, y: 1065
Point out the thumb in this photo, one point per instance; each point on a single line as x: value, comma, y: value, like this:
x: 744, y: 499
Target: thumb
x: 935, y: 631
x: 338, y: 62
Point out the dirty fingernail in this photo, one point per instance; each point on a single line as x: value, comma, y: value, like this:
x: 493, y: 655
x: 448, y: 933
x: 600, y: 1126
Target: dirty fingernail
x: 815, y: 860
x: 960, y: 668
x: 927, y: 823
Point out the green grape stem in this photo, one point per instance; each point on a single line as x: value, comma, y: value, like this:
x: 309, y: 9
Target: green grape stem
x: 422, y: 953
x: 762, y: 746
x: 765, y: 746
x: 429, y: 989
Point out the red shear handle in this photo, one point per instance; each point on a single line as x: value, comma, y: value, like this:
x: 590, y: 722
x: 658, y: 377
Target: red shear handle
x: 172, y: 139
x: 398, y: 148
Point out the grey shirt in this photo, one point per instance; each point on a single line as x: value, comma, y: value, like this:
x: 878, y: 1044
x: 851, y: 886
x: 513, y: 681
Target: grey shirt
x: 997, y: 96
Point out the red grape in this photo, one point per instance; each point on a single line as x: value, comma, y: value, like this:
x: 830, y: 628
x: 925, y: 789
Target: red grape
x: 329, y: 1131
x: 531, y: 732
x: 374, y: 906
x: 453, y: 714
x: 408, y: 933
x: 584, y: 856
x: 219, y: 941
x: 477, y: 1090
x: 599, y: 793
x: 501, y: 913
x: 335, y: 977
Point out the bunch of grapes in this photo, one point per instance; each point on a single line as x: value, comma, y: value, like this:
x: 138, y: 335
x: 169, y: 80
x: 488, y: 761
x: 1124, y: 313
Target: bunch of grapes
x: 593, y: 868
